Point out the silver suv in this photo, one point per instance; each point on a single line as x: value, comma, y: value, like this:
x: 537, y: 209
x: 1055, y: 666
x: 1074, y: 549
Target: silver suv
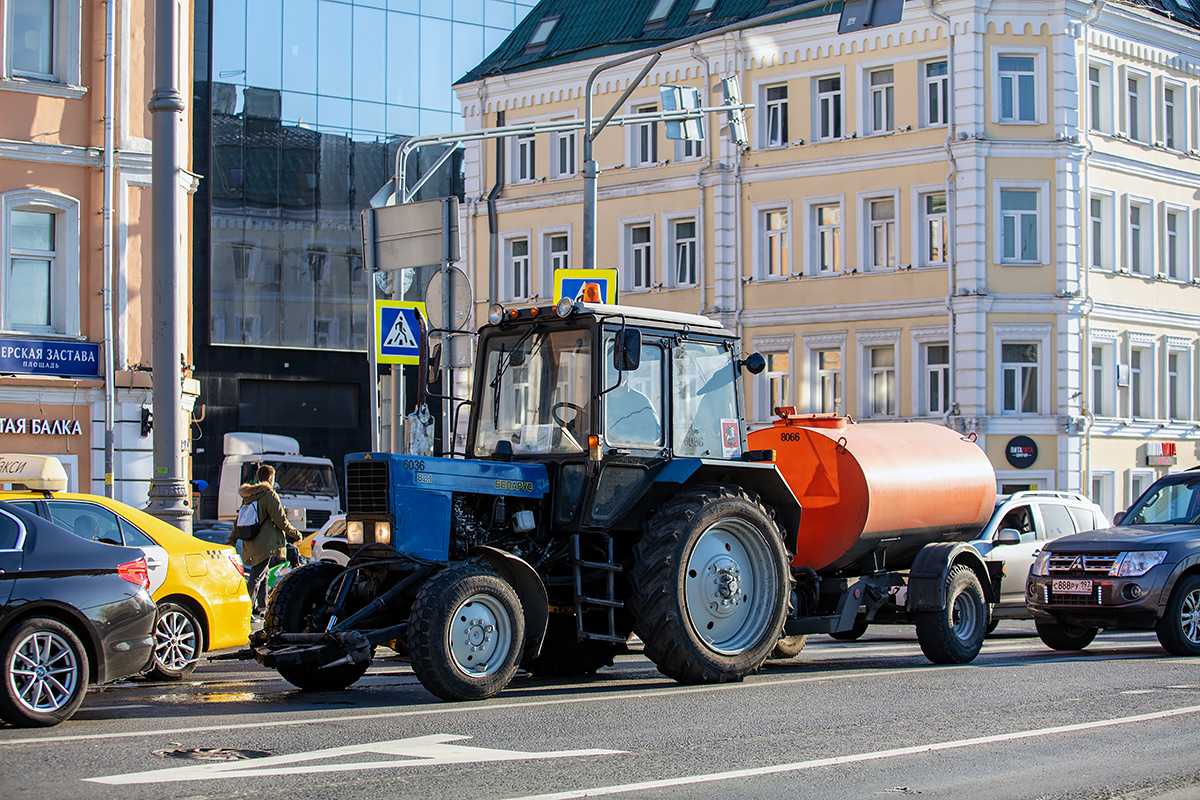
x: 1018, y: 529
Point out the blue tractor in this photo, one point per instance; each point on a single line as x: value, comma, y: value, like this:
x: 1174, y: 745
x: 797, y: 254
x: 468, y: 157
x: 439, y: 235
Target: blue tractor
x: 606, y: 490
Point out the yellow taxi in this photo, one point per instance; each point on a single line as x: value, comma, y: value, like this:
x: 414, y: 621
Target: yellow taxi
x: 198, y: 587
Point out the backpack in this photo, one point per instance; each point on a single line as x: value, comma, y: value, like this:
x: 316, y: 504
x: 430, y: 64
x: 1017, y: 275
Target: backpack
x: 247, y: 525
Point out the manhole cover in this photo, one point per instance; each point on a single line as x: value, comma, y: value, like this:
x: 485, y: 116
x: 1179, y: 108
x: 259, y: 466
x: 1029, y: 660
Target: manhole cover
x: 211, y: 753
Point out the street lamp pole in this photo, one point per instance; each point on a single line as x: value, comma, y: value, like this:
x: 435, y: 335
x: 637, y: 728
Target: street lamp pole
x: 168, y: 493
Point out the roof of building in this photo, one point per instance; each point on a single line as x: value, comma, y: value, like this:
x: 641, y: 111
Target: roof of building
x: 567, y: 31
x: 585, y: 29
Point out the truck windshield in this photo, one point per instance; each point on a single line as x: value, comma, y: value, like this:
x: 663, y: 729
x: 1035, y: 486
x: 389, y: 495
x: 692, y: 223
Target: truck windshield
x: 1169, y: 504
x: 538, y: 392
x: 291, y: 478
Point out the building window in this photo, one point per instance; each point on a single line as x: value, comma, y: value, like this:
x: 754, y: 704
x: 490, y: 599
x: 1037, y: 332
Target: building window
x: 1100, y: 97
x: 42, y: 44
x: 1173, y: 116
x: 829, y: 109
x: 827, y: 220
x: 1099, y: 381
x: 1019, y: 368
x: 1018, y: 226
x: 318, y: 266
x: 39, y: 280
x: 565, y: 147
x: 936, y: 107
x: 828, y: 379
x: 249, y: 328
x: 523, y: 155
x: 778, y: 379
x: 775, y: 243
x: 882, y: 98
x: 882, y: 232
x: 689, y: 149
x: 1175, y: 245
x: 1018, y: 88
x: 558, y: 255
x: 638, y: 255
x: 683, y: 245
x: 934, y: 229
x: 1177, y: 405
x: 659, y: 11
x: 1141, y: 401
x: 645, y: 139
x: 882, y: 381
x: 324, y: 332
x: 1102, y: 235
x: 1138, y: 238
x: 937, y: 379
x: 518, y: 272
x: 1137, y: 107
x: 777, y: 116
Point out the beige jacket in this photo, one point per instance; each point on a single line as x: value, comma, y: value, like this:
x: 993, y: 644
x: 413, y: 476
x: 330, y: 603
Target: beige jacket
x: 274, y: 525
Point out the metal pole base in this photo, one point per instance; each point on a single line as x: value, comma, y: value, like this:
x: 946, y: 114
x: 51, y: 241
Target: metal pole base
x: 168, y: 500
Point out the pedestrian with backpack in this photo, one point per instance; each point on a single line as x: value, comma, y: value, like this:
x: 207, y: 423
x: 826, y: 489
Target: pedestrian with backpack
x: 267, y: 546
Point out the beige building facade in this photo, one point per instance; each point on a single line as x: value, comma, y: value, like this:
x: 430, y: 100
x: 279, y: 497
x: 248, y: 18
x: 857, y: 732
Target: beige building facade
x: 55, y: 59
x: 985, y: 215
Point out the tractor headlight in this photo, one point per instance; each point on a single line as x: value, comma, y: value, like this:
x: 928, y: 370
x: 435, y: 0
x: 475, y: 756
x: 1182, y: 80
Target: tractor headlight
x: 565, y: 307
x: 1137, y: 562
x: 495, y: 313
x: 354, y: 531
x: 383, y: 533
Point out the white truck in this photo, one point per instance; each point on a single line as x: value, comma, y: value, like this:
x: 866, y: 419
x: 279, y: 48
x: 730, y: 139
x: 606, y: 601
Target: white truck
x: 307, y: 485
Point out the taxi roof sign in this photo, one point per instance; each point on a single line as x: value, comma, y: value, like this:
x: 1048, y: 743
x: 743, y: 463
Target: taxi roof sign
x: 36, y: 473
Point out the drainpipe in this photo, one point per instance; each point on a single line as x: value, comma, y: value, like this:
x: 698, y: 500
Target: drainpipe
x: 106, y: 259
x: 951, y: 216
x: 700, y: 223
x: 739, y: 60
x: 494, y: 220
x: 1086, y: 267
x: 168, y: 496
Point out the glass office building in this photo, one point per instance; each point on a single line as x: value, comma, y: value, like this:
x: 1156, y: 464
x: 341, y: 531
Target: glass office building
x: 307, y: 101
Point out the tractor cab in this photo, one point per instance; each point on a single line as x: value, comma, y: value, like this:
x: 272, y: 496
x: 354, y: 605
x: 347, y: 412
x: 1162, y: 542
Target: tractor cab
x: 605, y: 396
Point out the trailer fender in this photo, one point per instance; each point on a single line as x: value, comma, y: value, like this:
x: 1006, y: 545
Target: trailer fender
x: 931, y: 567
x: 529, y: 587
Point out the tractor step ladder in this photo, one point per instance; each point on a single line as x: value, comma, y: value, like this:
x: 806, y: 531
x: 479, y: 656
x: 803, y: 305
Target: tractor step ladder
x: 608, y: 603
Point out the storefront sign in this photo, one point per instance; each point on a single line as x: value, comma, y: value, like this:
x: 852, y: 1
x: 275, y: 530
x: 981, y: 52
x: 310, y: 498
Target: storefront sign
x: 49, y: 357
x: 1160, y: 454
x: 1021, y: 452
x: 40, y: 427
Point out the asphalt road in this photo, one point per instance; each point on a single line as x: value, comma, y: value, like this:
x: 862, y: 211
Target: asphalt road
x: 843, y: 720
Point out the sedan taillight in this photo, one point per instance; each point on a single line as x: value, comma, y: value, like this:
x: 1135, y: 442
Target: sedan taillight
x: 136, y: 572
x: 236, y: 560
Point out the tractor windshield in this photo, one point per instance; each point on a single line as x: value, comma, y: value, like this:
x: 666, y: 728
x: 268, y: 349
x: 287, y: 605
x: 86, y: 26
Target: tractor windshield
x: 537, y: 393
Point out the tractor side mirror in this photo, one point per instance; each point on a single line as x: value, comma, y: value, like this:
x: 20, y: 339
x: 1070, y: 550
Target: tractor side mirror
x: 627, y: 355
x: 753, y: 363
x: 434, y: 371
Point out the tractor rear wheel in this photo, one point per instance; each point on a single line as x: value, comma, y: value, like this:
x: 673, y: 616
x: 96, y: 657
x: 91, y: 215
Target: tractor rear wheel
x: 298, y: 605
x: 466, y: 633
x: 710, y: 585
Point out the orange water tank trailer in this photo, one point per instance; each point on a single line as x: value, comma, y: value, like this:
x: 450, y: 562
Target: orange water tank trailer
x: 874, y: 494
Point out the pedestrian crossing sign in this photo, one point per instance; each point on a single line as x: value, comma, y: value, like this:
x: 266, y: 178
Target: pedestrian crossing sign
x: 570, y: 283
x: 398, y: 331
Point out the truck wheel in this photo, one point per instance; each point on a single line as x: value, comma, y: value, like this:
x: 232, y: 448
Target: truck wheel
x: 954, y: 634
x: 563, y: 655
x: 177, y: 643
x: 851, y: 634
x: 45, y: 673
x: 1064, y: 637
x: 710, y: 585
x: 789, y: 646
x: 1179, y: 629
x: 466, y: 633
x: 297, y: 605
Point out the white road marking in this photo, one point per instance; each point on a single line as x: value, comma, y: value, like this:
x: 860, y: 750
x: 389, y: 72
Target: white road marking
x: 115, y: 708
x: 1139, y: 691
x: 712, y: 777
x: 419, y: 751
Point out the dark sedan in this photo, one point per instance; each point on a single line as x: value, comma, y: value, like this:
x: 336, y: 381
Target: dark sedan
x: 72, y: 612
x: 1141, y: 574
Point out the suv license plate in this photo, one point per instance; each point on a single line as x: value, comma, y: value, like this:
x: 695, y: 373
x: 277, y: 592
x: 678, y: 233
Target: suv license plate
x: 1071, y: 587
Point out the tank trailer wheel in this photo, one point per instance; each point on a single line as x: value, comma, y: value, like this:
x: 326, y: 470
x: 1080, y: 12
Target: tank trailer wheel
x: 1179, y: 629
x: 297, y: 605
x: 466, y: 633
x: 954, y: 634
x: 789, y: 646
x: 564, y: 655
x: 710, y: 585
x: 1064, y: 637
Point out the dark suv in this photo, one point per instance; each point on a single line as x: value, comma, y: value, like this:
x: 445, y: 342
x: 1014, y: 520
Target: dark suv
x: 1141, y: 574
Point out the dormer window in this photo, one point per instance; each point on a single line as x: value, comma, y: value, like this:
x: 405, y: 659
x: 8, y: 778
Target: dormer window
x: 660, y: 11
x: 541, y: 34
x: 703, y: 7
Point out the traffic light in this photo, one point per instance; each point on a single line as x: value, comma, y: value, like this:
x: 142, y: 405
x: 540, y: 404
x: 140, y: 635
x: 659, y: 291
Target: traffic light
x: 147, y: 421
